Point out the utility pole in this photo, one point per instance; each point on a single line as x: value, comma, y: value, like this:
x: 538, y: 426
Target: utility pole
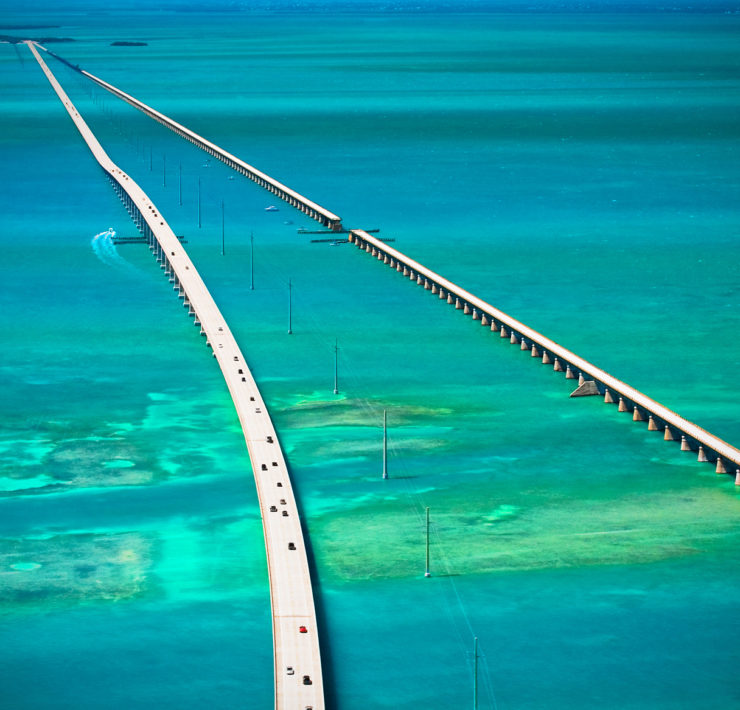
x: 475, y: 673
x: 251, y: 261
x: 427, y: 573
x: 336, y: 368
x: 385, y: 446
x: 290, y: 307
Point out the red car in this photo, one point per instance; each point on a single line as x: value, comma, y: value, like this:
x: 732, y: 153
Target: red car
x: 303, y: 629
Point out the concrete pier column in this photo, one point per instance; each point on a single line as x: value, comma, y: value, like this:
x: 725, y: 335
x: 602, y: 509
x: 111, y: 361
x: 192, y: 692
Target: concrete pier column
x: 608, y: 399
x: 458, y: 304
x: 373, y: 251
x: 557, y: 366
x: 367, y: 247
x: 622, y: 405
x: 569, y: 374
x: 513, y: 339
x: 442, y: 293
x: 413, y: 276
x: 667, y: 434
x: 434, y: 288
x: 524, y: 345
x: 503, y: 332
x: 466, y: 308
x: 399, y: 266
x: 652, y: 426
x: 535, y: 351
x: 427, y: 285
x: 405, y: 270
x: 581, y: 379
x: 702, y: 457
x: 450, y: 298
x: 637, y: 415
x: 684, y: 444
x: 546, y: 359
x: 720, y: 466
x: 494, y: 326
x: 737, y: 476
x: 484, y: 319
x: 476, y: 314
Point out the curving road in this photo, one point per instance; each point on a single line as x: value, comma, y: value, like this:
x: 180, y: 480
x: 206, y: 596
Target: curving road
x: 298, y: 677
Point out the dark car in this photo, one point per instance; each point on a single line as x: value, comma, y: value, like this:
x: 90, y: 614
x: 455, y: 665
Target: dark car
x: 307, y: 680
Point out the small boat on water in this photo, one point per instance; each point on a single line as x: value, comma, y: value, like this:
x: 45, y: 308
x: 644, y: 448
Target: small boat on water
x: 271, y: 208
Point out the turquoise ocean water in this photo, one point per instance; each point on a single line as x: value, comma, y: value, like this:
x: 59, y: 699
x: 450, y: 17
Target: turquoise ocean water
x: 580, y: 172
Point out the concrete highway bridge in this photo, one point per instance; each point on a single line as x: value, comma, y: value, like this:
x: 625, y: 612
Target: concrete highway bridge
x: 297, y: 658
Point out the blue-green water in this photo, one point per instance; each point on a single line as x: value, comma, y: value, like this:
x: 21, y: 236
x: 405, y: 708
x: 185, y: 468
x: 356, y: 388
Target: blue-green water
x: 578, y: 171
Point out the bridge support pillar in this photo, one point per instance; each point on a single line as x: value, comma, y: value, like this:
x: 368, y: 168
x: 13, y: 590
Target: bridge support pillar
x: 684, y: 443
x: 427, y: 285
x: 535, y: 351
x: 637, y: 415
x: 557, y: 366
x: 458, y: 304
x: 399, y: 267
x: 581, y: 378
x: 419, y: 280
x: 546, y: 360
x: 476, y: 314
x: 450, y: 298
x: 652, y: 426
x: 494, y: 326
x: 667, y: 434
x: 737, y: 476
x: 484, y: 319
x: 503, y: 333
x: 434, y: 288
x: 622, y: 405
x: 466, y: 309
x: 702, y: 457
x: 569, y: 374
x: 720, y: 466
x: 608, y: 399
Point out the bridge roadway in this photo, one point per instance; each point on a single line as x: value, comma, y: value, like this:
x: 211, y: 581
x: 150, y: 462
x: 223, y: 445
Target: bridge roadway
x: 290, y: 584
x: 293, y: 198
x: 709, y: 447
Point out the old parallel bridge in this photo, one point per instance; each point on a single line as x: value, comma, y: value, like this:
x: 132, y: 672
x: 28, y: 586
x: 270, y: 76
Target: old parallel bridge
x: 592, y: 380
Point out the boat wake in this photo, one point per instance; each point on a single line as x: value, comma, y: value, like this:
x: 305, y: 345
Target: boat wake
x: 104, y: 248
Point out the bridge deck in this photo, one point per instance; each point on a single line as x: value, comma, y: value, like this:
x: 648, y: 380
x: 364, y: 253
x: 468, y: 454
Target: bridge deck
x: 713, y: 447
x: 290, y: 584
x: 293, y: 198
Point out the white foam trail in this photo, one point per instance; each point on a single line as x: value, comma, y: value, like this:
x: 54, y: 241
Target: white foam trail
x: 104, y: 248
